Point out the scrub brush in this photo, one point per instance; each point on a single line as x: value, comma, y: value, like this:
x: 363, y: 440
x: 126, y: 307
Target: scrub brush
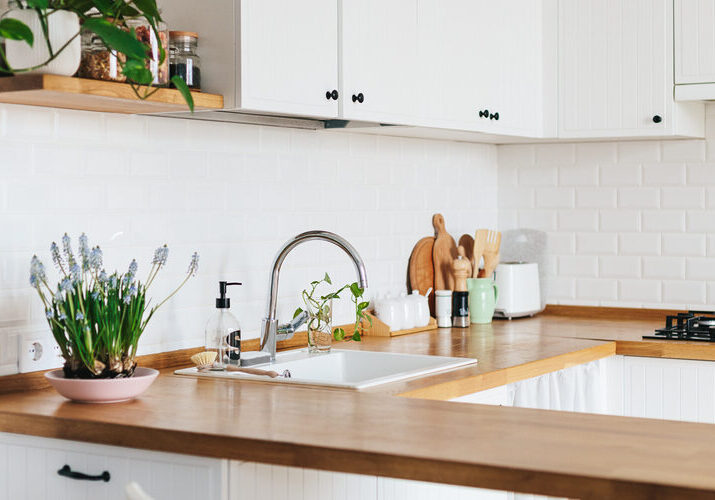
x: 205, y: 360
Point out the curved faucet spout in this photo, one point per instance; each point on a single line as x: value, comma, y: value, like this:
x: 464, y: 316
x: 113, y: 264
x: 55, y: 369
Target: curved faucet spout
x: 270, y: 324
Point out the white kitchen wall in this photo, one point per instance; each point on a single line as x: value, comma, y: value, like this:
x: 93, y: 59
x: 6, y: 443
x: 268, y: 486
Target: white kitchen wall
x: 630, y: 224
x: 234, y: 193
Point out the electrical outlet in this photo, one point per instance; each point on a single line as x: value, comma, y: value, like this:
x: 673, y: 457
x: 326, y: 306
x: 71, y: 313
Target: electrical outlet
x: 38, y: 351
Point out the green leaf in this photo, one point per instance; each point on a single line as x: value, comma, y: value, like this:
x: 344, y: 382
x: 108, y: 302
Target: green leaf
x: 12, y: 29
x: 117, y: 39
x: 339, y: 334
x: 38, y: 4
x: 356, y: 336
x: 356, y: 290
x: 148, y: 8
x: 136, y: 71
x: 181, y: 86
x: 362, y: 306
x: 327, y: 279
x: 297, y: 313
x: 106, y: 7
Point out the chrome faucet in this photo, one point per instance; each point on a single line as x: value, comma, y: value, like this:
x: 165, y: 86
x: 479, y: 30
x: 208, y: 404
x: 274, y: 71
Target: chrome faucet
x: 271, y: 332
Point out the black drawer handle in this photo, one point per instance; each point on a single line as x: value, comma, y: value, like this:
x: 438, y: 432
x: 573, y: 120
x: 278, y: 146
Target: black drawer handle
x: 332, y: 95
x: 484, y: 114
x: 494, y: 116
x: 66, y: 471
x: 359, y: 98
x: 657, y: 119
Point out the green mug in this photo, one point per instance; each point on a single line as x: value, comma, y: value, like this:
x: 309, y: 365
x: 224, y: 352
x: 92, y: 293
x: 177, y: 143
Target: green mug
x: 483, y: 295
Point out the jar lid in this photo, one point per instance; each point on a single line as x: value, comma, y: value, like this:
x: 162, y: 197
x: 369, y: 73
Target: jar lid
x: 191, y: 34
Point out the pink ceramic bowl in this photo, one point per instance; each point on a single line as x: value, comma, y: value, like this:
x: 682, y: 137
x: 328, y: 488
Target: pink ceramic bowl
x: 105, y: 390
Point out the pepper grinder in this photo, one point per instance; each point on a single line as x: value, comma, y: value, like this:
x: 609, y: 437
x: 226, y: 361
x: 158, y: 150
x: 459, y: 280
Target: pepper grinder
x: 461, y: 270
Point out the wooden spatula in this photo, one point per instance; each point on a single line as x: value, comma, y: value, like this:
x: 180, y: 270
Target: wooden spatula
x: 480, y: 244
x: 491, y: 253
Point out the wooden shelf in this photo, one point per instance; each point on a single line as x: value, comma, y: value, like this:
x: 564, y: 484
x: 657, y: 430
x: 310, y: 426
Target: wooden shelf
x: 67, y: 92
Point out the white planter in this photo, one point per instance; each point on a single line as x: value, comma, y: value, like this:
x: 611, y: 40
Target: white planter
x: 62, y: 26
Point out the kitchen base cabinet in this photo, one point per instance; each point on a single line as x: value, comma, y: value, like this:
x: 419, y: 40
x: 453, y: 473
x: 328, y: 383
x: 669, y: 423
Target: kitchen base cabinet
x: 29, y: 468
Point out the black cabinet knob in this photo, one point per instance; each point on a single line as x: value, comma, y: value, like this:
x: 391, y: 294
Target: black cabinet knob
x: 657, y: 119
x: 332, y: 95
x: 359, y: 98
x: 494, y: 116
x: 484, y: 114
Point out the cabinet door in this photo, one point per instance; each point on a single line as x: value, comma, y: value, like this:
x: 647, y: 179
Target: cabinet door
x: 615, y: 68
x: 694, y: 41
x: 289, y: 57
x: 379, y: 61
x: 481, y: 65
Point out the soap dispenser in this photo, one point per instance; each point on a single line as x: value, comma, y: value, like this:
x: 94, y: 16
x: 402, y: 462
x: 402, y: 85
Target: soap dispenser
x: 223, y: 332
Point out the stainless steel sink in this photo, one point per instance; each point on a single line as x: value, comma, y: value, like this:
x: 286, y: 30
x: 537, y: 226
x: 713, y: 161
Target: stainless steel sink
x: 344, y: 368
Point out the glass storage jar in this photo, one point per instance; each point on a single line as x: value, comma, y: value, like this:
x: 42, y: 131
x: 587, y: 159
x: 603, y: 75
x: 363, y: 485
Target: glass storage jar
x: 99, y: 63
x: 184, y: 60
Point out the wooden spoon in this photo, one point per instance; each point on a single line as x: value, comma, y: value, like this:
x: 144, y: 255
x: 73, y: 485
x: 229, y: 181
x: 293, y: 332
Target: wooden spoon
x: 491, y: 253
x: 480, y: 244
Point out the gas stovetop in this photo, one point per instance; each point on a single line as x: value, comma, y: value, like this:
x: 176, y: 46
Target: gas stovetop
x: 692, y: 325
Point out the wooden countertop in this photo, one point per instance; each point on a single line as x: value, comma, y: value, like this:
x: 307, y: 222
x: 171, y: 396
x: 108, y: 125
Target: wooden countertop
x: 557, y: 453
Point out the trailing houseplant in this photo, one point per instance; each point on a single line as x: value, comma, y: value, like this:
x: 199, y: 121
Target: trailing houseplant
x: 106, y: 19
x: 319, y: 310
x: 97, y: 318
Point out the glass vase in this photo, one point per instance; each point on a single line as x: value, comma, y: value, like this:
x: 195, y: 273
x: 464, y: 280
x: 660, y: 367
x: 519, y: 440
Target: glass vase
x: 320, y: 330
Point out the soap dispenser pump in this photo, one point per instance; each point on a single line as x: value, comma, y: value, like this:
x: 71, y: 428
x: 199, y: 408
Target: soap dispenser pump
x: 223, y: 331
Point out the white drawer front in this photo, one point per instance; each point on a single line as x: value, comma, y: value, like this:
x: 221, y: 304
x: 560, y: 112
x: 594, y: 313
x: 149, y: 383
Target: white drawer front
x: 29, y: 465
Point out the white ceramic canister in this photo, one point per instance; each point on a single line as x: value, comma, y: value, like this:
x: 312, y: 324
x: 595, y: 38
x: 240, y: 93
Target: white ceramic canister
x: 420, y: 307
x: 410, y: 311
x: 62, y: 26
x: 443, y: 308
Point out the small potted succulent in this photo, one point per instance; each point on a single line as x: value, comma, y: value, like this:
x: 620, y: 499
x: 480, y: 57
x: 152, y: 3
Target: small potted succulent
x: 97, y: 320
x: 44, y: 36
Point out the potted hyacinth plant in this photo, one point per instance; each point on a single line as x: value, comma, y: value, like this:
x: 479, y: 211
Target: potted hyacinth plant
x: 98, y: 318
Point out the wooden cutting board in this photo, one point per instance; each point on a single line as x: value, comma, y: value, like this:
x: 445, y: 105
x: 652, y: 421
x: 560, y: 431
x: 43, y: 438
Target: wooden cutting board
x: 444, y: 252
x: 420, y: 271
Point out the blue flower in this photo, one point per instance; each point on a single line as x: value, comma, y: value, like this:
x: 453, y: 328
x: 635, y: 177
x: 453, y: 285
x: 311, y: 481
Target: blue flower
x: 49, y: 314
x: 95, y: 295
x: 79, y: 316
x: 95, y: 258
x: 103, y: 277
x: 37, y: 272
x: 67, y: 248
x: 133, y: 267
x: 160, y: 255
x: 84, y: 250
x: 56, y: 257
x: 113, y: 281
x: 62, y: 316
x: 194, y: 264
x: 66, y: 285
x: 76, y: 274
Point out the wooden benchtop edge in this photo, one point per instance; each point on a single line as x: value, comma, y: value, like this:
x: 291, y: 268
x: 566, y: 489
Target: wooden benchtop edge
x: 488, y: 380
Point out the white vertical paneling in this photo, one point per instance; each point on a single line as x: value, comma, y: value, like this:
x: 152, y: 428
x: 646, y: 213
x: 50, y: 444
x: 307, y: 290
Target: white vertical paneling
x: 614, y: 68
x: 31, y: 473
x: 694, y: 41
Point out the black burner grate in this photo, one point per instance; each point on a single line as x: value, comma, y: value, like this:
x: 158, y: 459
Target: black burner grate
x: 692, y: 325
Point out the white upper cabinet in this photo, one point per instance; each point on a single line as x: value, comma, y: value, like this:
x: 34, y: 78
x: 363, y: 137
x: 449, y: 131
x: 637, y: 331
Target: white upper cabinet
x: 694, y: 23
x: 270, y: 56
x: 289, y: 57
x: 616, y: 71
x: 378, y: 63
x: 484, y: 65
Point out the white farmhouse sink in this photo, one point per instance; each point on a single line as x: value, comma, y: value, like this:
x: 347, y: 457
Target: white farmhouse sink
x: 344, y: 368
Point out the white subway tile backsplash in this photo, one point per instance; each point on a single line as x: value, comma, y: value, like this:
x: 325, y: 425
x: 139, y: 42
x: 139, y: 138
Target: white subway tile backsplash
x: 690, y: 293
x: 639, y: 198
x: 530, y: 176
x: 578, y: 265
x: 661, y: 174
x: 543, y: 220
x: 640, y: 290
x: 684, y: 244
x: 683, y: 150
x: 516, y: 155
x: 619, y: 174
x: 664, y: 267
x: 638, y: 151
x: 638, y: 244
x: 682, y: 197
x: 233, y: 192
x: 596, y: 197
x: 596, y: 289
x: 596, y: 152
x: 554, y: 198
x: 596, y: 243
x: 700, y: 268
x: 559, y: 154
x: 619, y: 266
x: 662, y: 220
x: 620, y: 220
x: 578, y: 220
x: 573, y: 175
x: 700, y: 221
